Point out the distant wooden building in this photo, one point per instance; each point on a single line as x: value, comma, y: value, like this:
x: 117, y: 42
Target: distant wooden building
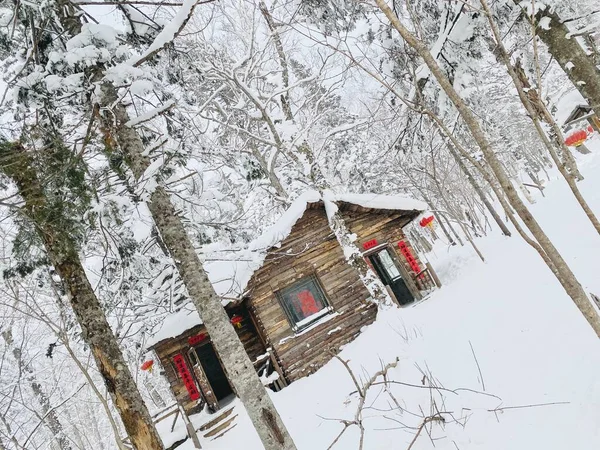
x: 303, y: 302
x: 580, y: 117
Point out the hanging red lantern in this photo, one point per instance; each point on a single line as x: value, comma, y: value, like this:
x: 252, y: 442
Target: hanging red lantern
x: 576, y: 138
x: 237, y: 321
x: 427, y: 222
x: 147, y: 365
x: 589, y: 129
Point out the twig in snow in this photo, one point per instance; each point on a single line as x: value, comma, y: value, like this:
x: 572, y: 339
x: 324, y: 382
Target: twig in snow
x: 478, y: 368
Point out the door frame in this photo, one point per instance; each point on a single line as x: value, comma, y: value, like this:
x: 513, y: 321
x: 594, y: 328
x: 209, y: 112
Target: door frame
x: 406, y: 276
x: 202, y: 379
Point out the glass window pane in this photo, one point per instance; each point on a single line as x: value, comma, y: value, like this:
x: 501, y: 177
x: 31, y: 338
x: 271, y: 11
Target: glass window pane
x: 303, y: 300
x: 388, y: 264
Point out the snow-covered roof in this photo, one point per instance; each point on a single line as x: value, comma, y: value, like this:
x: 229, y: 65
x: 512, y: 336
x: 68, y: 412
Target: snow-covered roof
x: 282, y: 228
x: 230, y: 271
x: 229, y: 278
x: 566, y: 104
x: 175, y: 324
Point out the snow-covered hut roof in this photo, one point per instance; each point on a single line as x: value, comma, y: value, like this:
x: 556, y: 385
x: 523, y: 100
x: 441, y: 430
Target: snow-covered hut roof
x: 231, y: 274
x: 282, y: 228
x: 567, y: 104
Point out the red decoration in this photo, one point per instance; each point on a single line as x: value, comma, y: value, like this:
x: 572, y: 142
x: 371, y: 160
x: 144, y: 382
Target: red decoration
x: 186, y: 376
x: 370, y: 244
x: 589, y: 129
x: 237, y: 321
x: 426, y: 221
x: 308, y: 304
x: 195, y: 340
x: 407, y: 253
x: 147, y: 365
x: 576, y: 138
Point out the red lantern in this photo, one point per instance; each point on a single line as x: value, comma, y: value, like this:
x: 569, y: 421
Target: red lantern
x: 576, y: 138
x: 590, y: 129
x: 427, y: 222
x: 147, y: 365
x: 237, y: 321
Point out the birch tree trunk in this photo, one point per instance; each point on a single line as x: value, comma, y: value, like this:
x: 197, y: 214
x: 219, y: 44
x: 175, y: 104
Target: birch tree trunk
x: 528, y: 99
x: 564, y: 274
x: 236, y: 362
x: 62, y: 252
x: 569, y: 54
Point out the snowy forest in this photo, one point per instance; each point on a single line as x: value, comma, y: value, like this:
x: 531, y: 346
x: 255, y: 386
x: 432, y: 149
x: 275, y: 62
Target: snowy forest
x: 299, y: 224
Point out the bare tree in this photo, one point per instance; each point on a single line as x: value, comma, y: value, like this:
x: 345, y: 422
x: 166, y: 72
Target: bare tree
x: 565, y: 275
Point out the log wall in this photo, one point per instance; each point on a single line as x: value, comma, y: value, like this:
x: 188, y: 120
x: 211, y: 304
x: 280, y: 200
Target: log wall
x: 310, y: 249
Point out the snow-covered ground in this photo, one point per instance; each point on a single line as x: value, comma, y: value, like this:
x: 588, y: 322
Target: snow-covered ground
x: 499, y: 334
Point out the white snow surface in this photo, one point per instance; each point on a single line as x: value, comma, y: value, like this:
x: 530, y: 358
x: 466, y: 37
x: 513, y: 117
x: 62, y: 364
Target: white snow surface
x: 175, y: 324
x: 499, y: 334
x: 566, y: 104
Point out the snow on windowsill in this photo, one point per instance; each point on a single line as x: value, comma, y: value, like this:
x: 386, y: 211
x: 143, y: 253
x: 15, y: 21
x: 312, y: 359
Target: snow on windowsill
x: 322, y: 317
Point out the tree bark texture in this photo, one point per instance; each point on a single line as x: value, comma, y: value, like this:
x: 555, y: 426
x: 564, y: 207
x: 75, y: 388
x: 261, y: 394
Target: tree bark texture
x: 564, y: 274
x: 532, y: 104
x: 232, y: 354
x: 62, y: 252
x: 570, y: 55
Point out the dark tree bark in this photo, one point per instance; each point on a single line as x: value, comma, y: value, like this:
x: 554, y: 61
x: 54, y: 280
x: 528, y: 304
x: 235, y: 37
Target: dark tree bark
x: 62, y: 251
x: 240, y: 370
x: 572, y: 58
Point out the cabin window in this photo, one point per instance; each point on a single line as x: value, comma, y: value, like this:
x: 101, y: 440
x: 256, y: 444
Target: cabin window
x: 304, y: 302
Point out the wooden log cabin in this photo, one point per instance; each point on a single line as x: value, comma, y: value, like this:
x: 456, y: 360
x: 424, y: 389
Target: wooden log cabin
x: 303, y: 302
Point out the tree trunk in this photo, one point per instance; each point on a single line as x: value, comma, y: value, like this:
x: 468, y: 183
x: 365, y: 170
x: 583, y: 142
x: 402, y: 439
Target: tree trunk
x: 565, y: 275
x: 569, y: 54
x: 96, y: 331
x: 535, y: 106
x: 354, y: 256
x: 479, y: 191
x: 50, y: 417
x: 236, y: 362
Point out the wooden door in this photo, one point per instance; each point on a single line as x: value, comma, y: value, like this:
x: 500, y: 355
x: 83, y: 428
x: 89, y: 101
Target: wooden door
x: 207, y: 391
x: 391, y: 276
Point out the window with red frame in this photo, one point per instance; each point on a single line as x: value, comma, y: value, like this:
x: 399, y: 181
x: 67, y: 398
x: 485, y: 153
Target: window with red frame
x: 304, y: 302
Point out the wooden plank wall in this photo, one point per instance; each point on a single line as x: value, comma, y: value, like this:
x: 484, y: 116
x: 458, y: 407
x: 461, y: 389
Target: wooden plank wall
x: 168, y: 349
x: 311, y: 248
x: 386, y: 227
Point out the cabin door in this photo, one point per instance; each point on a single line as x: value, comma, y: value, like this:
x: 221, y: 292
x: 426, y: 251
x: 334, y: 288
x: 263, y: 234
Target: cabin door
x: 388, y: 272
x: 213, y: 370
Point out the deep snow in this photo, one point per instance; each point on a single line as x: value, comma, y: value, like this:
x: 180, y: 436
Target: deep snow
x: 509, y: 316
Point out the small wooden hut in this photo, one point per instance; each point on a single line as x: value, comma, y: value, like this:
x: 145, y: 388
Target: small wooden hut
x: 303, y: 302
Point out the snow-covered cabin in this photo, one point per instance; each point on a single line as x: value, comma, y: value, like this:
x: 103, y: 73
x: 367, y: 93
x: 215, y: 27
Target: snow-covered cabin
x: 303, y: 301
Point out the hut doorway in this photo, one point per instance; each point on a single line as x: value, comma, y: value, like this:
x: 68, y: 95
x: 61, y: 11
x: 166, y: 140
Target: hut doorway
x: 389, y: 273
x: 215, y: 375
